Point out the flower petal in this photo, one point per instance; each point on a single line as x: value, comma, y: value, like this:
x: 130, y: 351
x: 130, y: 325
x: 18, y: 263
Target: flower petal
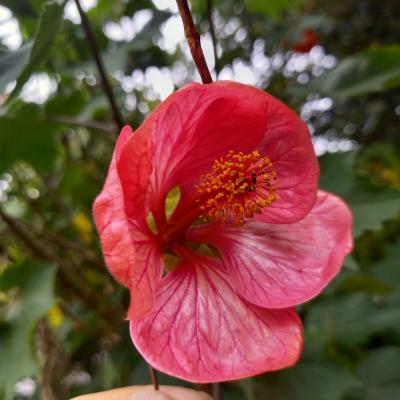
x: 134, y: 169
x: 287, y: 143
x: 200, y: 330
x: 279, y: 266
x: 128, y: 247
x: 111, y: 221
x: 145, y: 276
x: 202, y: 123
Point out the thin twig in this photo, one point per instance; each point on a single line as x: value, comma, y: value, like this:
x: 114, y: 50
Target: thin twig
x: 193, y: 39
x: 216, y: 391
x: 154, y: 377
x: 67, y: 119
x: 96, y: 55
x: 213, y: 35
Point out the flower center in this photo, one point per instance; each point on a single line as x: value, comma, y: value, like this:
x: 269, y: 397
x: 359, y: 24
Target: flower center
x: 239, y: 186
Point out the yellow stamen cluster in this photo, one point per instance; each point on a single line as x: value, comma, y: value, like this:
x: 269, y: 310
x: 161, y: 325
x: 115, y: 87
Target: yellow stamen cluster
x: 239, y: 186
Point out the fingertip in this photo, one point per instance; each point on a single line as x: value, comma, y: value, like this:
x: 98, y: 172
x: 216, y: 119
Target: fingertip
x: 153, y: 395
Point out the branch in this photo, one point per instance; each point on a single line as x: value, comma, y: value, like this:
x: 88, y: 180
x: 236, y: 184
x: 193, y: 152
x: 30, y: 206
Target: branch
x: 213, y: 36
x: 193, y: 39
x: 67, y: 119
x: 96, y: 55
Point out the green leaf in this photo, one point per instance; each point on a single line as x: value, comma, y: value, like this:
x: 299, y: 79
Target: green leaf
x: 12, y: 63
x: 26, y: 137
x: 352, y: 319
x: 308, y: 380
x: 387, y: 269
x: 272, y: 7
x: 373, y: 70
x: 30, y: 286
x: 380, y: 373
x: 49, y: 24
x: 371, y: 204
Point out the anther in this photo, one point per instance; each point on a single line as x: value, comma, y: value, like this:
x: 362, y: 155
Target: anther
x: 239, y: 186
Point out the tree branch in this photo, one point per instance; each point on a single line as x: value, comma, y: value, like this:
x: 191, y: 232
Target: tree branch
x: 67, y: 119
x: 96, y: 55
x: 213, y: 36
x: 193, y: 39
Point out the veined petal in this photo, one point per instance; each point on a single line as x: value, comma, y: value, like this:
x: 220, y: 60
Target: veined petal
x: 287, y: 143
x: 279, y: 266
x: 134, y: 167
x: 128, y: 246
x: 200, y: 330
x: 145, y: 276
x: 198, y: 124
x: 111, y: 220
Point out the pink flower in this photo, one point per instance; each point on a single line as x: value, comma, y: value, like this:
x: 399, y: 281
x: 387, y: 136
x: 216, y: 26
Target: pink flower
x: 245, y: 166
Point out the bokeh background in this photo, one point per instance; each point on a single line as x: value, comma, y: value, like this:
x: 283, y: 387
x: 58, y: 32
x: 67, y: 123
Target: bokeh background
x: 337, y: 63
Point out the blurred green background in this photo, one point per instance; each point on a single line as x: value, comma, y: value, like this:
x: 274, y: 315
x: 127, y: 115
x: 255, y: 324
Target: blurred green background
x: 62, y: 328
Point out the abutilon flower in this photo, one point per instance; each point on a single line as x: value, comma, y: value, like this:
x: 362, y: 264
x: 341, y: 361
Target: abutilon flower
x: 252, y: 235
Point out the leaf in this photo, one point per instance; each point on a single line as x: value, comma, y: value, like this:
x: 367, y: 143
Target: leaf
x: 373, y: 70
x: 26, y: 137
x: 308, y: 380
x: 31, y: 287
x: 352, y: 319
x: 387, y: 270
x: 380, y: 373
x: 49, y: 24
x: 272, y: 7
x: 371, y: 204
x: 12, y: 63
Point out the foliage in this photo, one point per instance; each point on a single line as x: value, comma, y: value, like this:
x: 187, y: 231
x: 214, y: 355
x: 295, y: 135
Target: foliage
x: 54, y: 156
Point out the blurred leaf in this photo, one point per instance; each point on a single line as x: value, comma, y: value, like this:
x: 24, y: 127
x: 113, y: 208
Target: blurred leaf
x: 352, y: 319
x: 272, y: 7
x: 33, y: 282
x: 371, y: 204
x: 49, y: 24
x: 387, y: 270
x: 308, y: 380
x: 19, y: 7
x: 12, y: 63
x: 23, y: 136
x: 373, y: 70
x: 380, y: 373
x: 356, y: 282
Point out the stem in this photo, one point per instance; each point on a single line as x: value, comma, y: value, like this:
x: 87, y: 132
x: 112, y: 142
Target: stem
x: 213, y: 36
x: 193, y: 39
x: 154, y: 377
x: 67, y: 119
x: 216, y: 391
x: 96, y: 55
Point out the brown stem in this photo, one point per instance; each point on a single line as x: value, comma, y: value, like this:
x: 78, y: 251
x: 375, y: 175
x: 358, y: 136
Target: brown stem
x: 154, y: 378
x: 213, y: 36
x: 193, y: 39
x: 216, y: 392
x: 96, y: 55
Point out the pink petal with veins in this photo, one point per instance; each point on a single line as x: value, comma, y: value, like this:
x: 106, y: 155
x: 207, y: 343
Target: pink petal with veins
x: 111, y: 220
x: 279, y: 266
x: 128, y: 246
x: 285, y: 140
x: 200, y: 330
